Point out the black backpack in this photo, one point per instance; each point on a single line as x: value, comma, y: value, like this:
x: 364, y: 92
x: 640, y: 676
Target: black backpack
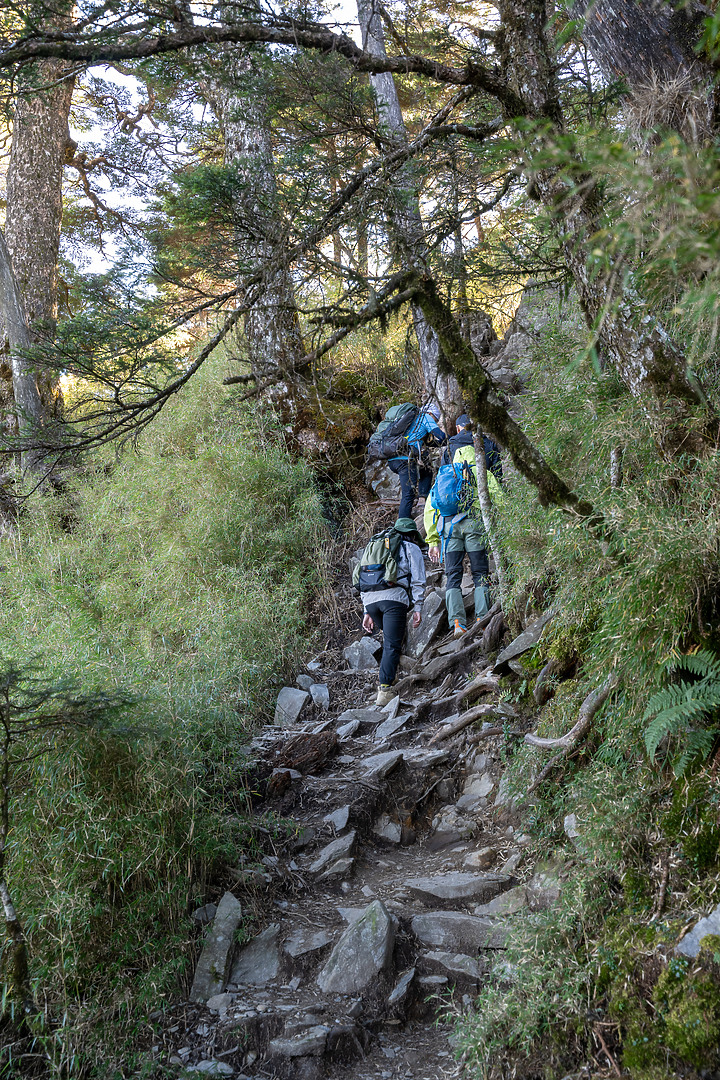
x: 389, y: 439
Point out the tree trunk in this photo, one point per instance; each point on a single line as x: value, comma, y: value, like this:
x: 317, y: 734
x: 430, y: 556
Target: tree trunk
x: 29, y: 409
x: 272, y: 330
x: 406, y: 222
x: 652, y: 367
x: 39, y: 150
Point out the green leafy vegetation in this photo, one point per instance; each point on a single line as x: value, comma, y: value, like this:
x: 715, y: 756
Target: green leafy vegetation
x: 178, y: 575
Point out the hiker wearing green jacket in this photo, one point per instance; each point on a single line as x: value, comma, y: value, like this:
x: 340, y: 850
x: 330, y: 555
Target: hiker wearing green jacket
x: 454, y: 537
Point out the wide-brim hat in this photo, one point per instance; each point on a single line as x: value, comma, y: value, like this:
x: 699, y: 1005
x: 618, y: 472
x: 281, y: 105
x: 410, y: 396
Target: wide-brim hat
x: 405, y: 525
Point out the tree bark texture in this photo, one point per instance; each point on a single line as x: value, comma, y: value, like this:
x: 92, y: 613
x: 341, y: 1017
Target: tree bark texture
x: 406, y: 222
x: 39, y: 150
x: 272, y: 330
x: 651, y: 365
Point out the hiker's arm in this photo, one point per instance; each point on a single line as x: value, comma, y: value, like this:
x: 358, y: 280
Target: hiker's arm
x: 430, y: 519
x: 368, y: 624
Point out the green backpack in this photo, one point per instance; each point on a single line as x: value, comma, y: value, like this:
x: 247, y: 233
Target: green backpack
x: 378, y: 567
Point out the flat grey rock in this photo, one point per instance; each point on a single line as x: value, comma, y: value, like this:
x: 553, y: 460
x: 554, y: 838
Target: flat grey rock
x: 340, y: 868
x: 364, y: 950
x: 543, y: 889
x: 210, y: 1067
x: 205, y: 914
x: 363, y: 716
x: 419, y: 758
x: 361, y: 655
x: 308, y: 1043
x: 400, y: 990
x: 388, y: 830
x: 457, y: 887
x: 213, y: 967
x: 348, y: 730
x: 479, y: 784
x: 351, y: 914
x: 320, y: 695
x: 304, y: 681
x: 336, y: 849
x: 522, y: 644
x: 455, y: 931
x: 290, y: 703
x: 459, y: 967
x: 391, y: 726
x: 392, y: 708
x: 507, y: 903
x: 257, y: 963
x: 434, y: 620
x: 305, y: 940
x: 690, y: 944
x: 220, y: 1002
x: 339, y: 818
x: 379, y: 766
x: 481, y: 859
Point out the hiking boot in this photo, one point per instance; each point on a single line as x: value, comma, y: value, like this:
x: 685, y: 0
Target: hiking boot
x: 459, y: 629
x: 384, y: 696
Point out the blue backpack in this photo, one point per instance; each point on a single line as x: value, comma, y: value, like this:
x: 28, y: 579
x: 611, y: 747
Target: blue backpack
x: 452, y: 491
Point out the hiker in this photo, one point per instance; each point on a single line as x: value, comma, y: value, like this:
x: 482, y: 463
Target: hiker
x: 402, y: 440
x: 453, y: 524
x: 391, y: 580
x: 464, y: 437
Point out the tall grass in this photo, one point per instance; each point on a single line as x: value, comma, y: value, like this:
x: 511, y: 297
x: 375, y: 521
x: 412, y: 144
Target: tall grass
x: 178, y: 573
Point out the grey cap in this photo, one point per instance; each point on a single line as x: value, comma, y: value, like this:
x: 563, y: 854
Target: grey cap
x: 432, y: 410
x: 464, y: 421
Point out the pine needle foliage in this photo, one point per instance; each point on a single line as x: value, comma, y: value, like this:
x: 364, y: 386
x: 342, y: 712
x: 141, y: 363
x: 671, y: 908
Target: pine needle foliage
x: 677, y: 708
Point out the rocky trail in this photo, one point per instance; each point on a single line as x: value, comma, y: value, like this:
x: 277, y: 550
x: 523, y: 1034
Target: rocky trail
x: 391, y: 890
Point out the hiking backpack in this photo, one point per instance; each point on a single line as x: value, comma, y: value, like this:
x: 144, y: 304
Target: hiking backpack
x: 389, y: 438
x: 378, y: 567
x: 453, y: 491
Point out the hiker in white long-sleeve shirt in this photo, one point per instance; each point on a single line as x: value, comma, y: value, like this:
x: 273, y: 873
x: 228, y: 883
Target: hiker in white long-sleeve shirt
x: 391, y: 580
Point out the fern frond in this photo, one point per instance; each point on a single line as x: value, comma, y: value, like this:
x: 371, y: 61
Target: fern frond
x: 703, y: 663
x: 700, y: 744
x: 673, y: 721
x: 668, y: 697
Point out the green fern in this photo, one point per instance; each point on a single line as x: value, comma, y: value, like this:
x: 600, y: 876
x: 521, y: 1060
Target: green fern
x: 678, y: 708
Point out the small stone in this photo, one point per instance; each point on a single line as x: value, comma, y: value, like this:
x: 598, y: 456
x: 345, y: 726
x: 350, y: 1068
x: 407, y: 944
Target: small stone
x: 507, y: 903
x: 363, y: 951
x: 388, y: 830
x: 336, y: 849
x: 479, y: 784
x: 400, y: 990
x: 290, y: 703
x: 361, y: 654
x: 211, y: 1067
x: 363, y: 716
x: 320, y: 695
x: 511, y: 863
x: 309, y: 1043
x: 392, y: 708
x: 314, y: 665
x: 220, y: 1003
x: 258, y: 962
x: 339, y: 818
x: 304, y: 681
x: 205, y: 914
x: 391, y: 727
x: 294, y: 982
x: 690, y: 944
x: 341, y: 868
x: 305, y: 940
x: 381, y: 765
x: 459, y: 966
x: 348, y: 730
x: 480, y: 860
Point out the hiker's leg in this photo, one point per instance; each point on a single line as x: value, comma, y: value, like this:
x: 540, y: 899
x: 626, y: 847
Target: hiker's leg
x: 400, y: 468
x: 477, y: 554
x: 394, y: 622
x: 454, y: 555
x: 424, y: 481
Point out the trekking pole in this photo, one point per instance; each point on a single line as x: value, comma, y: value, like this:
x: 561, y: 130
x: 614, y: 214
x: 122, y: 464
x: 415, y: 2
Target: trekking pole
x: 486, y: 511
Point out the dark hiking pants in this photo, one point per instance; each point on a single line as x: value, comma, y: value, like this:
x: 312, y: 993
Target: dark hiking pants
x: 390, y: 616
x: 415, y: 479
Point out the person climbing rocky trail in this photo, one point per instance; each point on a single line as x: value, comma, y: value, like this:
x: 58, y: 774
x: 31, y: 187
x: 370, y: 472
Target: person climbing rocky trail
x: 395, y: 866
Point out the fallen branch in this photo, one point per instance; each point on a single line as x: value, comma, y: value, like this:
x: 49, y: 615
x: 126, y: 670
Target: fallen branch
x: 435, y: 668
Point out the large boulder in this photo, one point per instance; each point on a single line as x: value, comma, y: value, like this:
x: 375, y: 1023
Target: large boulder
x: 434, y: 621
x: 454, y: 931
x: 290, y: 703
x: 457, y: 888
x: 363, y: 951
x: 211, y: 973
x: 383, y: 481
x: 258, y: 962
x: 362, y: 654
